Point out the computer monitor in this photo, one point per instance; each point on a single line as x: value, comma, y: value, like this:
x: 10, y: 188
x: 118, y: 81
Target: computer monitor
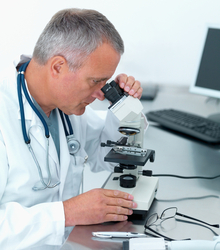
x: 207, y: 80
x: 208, y: 75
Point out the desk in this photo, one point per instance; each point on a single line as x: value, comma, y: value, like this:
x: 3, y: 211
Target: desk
x: 175, y: 154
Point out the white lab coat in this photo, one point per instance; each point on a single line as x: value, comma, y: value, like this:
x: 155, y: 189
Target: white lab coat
x: 35, y: 219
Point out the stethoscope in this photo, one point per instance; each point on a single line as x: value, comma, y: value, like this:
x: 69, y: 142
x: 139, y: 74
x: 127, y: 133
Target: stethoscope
x: 73, y: 144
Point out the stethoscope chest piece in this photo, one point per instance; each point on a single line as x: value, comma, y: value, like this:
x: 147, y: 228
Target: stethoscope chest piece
x: 73, y: 144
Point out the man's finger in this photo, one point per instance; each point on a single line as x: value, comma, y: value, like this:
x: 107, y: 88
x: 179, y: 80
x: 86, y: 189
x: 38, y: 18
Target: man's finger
x: 117, y: 193
x: 121, y: 202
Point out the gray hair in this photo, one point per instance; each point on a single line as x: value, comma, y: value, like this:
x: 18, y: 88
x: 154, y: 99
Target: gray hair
x: 75, y: 34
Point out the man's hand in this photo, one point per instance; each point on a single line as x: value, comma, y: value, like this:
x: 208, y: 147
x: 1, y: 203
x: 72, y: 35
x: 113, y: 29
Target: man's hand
x: 130, y: 85
x: 98, y: 206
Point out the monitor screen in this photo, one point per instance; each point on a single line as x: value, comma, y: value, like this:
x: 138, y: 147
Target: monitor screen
x: 207, y: 80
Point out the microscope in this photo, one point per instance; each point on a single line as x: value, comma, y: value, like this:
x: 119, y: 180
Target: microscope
x: 128, y: 151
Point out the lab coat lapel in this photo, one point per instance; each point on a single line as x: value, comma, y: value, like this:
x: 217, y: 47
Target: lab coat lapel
x: 39, y: 135
x: 64, y: 156
x: 37, y: 131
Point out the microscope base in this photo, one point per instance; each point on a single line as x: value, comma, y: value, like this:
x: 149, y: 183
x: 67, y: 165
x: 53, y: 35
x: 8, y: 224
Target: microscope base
x: 144, y: 191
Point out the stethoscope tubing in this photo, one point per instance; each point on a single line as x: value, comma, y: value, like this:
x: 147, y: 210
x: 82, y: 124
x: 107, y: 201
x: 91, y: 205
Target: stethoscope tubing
x: 22, y: 86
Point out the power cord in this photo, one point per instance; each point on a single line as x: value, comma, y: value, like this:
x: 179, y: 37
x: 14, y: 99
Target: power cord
x: 187, y: 177
x: 150, y: 173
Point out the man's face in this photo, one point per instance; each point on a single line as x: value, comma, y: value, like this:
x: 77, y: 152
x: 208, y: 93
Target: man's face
x: 78, y: 89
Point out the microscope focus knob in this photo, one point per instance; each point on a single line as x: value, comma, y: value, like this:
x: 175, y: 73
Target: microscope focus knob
x: 152, y: 156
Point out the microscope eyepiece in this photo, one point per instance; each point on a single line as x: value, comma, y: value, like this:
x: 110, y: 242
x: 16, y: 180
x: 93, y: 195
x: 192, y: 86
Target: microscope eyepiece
x: 112, y: 91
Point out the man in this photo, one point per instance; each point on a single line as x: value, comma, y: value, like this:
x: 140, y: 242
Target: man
x: 75, y: 55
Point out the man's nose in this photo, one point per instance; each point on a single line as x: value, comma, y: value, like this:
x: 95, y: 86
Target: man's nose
x: 98, y: 94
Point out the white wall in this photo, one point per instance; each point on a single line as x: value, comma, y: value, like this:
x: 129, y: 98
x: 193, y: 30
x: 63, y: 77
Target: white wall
x: 163, y: 38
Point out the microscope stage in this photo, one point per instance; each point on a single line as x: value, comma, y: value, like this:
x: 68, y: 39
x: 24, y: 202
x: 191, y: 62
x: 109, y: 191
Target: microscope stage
x: 138, y: 160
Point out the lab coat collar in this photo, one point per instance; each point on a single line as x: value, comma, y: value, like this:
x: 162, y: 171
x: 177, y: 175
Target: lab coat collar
x: 21, y: 60
x: 29, y: 114
x: 28, y: 110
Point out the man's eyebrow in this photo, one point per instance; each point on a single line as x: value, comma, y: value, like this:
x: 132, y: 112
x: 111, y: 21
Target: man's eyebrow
x: 99, y: 79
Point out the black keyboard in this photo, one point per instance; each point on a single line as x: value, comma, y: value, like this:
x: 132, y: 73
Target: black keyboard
x: 193, y: 125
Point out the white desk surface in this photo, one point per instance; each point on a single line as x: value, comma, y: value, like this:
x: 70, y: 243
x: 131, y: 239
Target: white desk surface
x: 175, y: 154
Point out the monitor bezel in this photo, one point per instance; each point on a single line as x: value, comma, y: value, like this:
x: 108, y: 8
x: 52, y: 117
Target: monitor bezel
x: 201, y: 90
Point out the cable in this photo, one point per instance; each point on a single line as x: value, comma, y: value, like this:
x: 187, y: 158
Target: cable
x: 188, y: 198
x: 186, y: 177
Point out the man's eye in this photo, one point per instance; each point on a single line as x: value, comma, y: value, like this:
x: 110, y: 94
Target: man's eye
x: 97, y: 81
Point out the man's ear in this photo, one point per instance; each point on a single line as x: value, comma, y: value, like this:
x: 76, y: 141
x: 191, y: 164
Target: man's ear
x: 58, y: 65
